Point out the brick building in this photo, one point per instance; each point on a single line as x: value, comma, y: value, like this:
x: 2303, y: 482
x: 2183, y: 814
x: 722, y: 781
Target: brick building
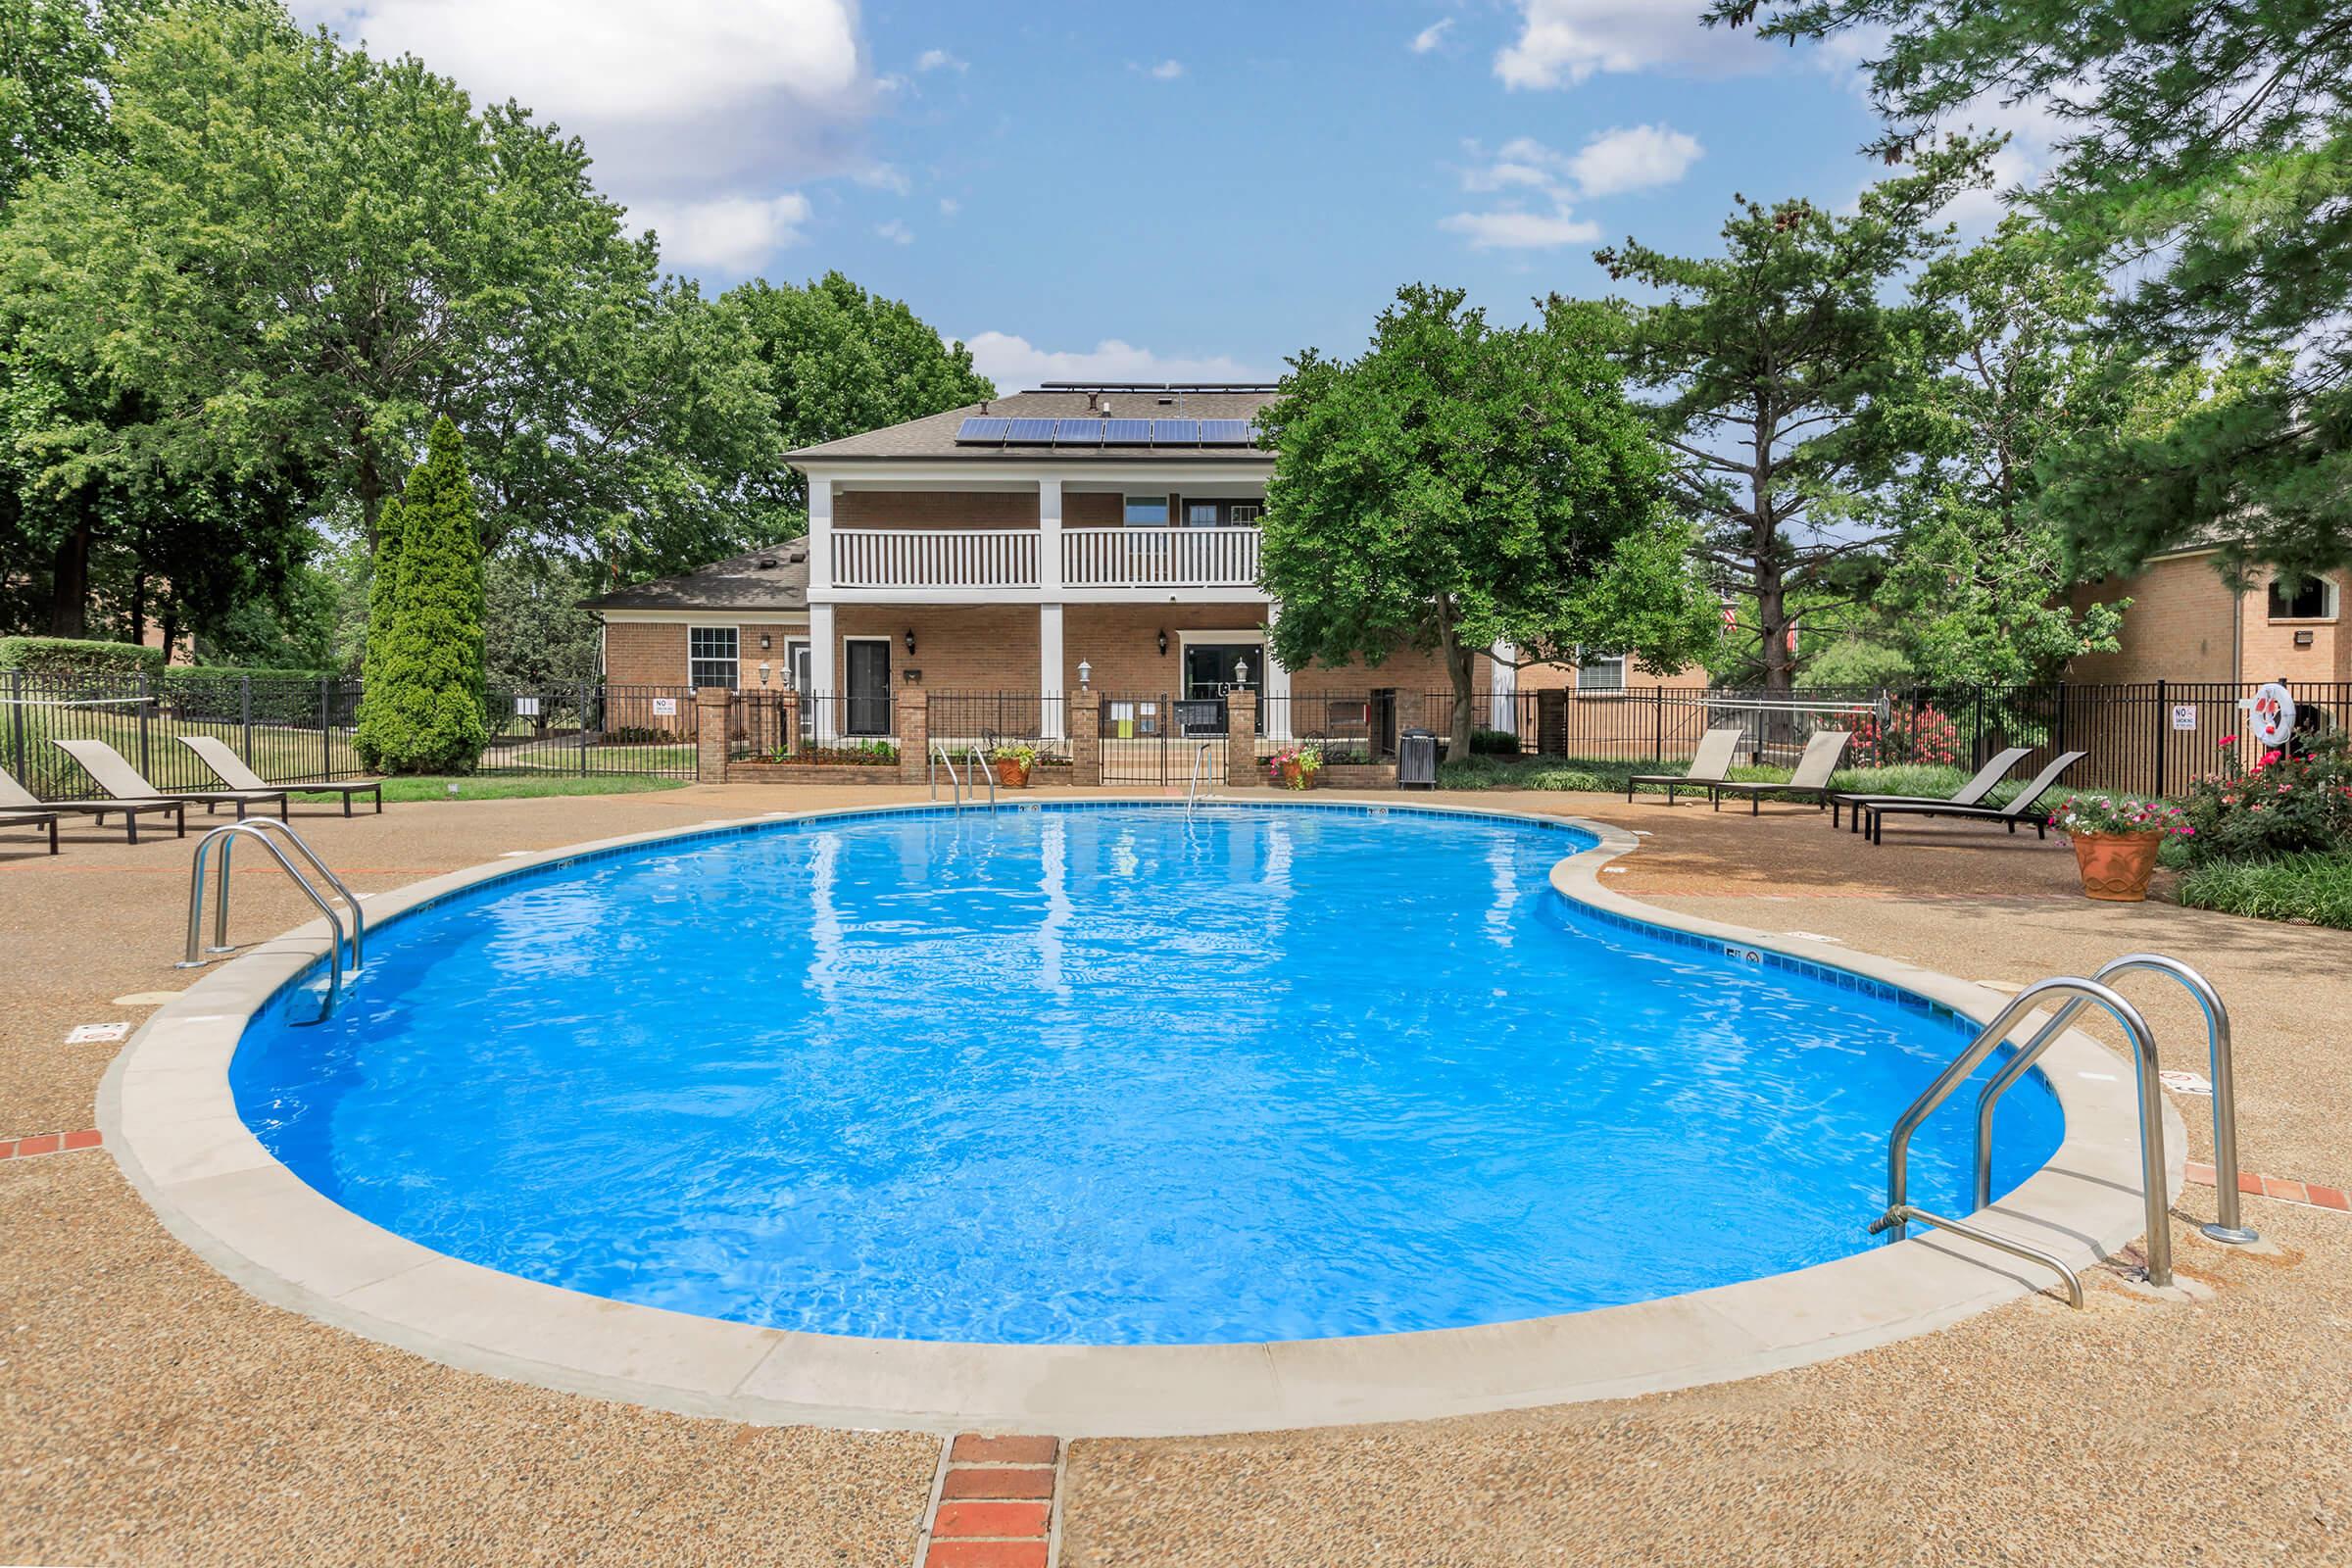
x: 1003, y: 547
x: 2185, y: 623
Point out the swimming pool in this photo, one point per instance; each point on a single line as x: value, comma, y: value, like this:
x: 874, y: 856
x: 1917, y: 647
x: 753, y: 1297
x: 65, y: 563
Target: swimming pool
x: 1103, y: 1076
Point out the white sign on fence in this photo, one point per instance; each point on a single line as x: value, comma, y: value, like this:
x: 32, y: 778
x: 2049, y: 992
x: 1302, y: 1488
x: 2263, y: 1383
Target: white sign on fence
x: 665, y: 708
x: 526, y: 707
x: 2185, y: 715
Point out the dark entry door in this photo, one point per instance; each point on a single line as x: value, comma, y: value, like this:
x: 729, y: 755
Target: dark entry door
x: 868, y: 688
x: 1213, y: 669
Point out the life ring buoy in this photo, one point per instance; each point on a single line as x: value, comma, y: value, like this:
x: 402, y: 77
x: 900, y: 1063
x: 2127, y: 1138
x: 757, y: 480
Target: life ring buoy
x: 2274, y: 715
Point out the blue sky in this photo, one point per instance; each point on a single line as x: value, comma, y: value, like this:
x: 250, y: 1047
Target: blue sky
x: 1169, y: 191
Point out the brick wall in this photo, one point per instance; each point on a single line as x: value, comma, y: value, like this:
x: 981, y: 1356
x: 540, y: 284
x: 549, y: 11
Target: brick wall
x: 2178, y: 627
x: 958, y: 648
x: 637, y: 653
x: 2271, y: 651
x: 935, y: 508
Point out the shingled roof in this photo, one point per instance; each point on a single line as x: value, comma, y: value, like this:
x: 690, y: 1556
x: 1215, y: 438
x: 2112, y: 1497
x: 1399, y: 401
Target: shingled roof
x: 770, y: 579
x: 933, y: 438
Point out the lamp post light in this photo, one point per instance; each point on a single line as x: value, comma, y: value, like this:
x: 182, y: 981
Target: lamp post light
x: 1086, y: 673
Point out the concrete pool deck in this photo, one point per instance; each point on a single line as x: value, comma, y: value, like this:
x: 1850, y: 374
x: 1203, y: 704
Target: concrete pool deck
x: 155, y: 1412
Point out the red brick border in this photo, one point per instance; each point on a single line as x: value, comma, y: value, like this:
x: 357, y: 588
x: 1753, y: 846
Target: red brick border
x: 49, y: 1144
x: 2309, y: 1194
x: 994, y: 1507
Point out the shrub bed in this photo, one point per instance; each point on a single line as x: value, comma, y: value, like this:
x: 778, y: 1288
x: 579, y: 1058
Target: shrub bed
x: 2314, y: 888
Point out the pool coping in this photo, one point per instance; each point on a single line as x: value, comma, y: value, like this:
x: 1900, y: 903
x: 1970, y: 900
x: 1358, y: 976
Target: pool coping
x: 171, y: 1121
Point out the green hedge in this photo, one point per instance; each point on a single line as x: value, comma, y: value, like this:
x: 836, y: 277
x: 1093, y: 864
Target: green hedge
x: 75, y: 657
x: 2315, y: 888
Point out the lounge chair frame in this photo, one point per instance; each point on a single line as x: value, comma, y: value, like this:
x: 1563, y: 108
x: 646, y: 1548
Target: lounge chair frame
x: 2014, y: 813
x: 230, y: 770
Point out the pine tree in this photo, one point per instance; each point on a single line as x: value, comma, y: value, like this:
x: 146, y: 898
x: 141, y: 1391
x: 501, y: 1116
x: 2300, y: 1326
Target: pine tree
x: 421, y: 712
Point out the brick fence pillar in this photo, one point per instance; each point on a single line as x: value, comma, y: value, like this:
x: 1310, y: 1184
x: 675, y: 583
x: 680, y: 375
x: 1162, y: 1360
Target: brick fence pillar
x: 713, y: 712
x: 787, y: 722
x: 914, y: 734
x: 1240, y: 741
x: 1086, y: 737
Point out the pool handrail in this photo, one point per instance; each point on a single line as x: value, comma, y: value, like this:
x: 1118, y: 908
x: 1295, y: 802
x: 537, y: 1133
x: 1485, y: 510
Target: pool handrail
x: 2229, y: 1225
x: 1957, y: 1071
x: 351, y: 899
x: 981, y: 769
x: 1192, y: 788
x: 335, y: 930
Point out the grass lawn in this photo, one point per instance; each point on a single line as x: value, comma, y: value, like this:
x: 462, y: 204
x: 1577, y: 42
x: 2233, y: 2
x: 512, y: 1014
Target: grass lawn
x: 2315, y: 889
x: 503, y: 787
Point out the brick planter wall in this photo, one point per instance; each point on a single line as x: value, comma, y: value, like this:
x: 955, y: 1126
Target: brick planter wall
x: 810, y: 773
x: 1358, y: 776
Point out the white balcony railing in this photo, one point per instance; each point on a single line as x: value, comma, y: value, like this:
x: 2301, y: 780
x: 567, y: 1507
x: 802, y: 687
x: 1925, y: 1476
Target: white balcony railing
x: 1159, y: 558
x: 934, y: 558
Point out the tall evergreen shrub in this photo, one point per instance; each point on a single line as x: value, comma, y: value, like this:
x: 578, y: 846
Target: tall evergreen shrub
x: 422, y: 712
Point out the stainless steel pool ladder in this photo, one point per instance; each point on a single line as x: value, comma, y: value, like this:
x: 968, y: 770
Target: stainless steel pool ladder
x: 980, y: 769
x: 266, y: 832
x: 2229, y: 1224
x: 1192, y: 790
x: 1900, y: 1211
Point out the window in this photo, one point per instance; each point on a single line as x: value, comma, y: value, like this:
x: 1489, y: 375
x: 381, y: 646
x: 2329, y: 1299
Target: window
x: 1201, y: 514
x: 1597, y: 674
x: 1146, y: 511
x: 1245, y: 514
x: 2302, y: 598
x: 711, y: 657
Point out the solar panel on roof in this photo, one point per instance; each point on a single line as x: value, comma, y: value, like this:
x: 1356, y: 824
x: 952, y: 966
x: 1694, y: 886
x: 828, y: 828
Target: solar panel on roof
x: 982, y: 429
x: 1127, y: 432
x: 1078, y: 433
x: 1228, y: 433
x: 1036, y: 432
x: 1175, y: 432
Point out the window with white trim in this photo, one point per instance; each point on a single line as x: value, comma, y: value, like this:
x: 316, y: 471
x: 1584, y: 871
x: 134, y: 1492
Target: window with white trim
x: 712, y: 657
x: 1146, y: 512
x: 1597, y: 674
x: 2302, y: 598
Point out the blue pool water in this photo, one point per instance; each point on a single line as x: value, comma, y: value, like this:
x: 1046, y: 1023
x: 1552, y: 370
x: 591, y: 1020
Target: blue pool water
x: 1100, y: 1076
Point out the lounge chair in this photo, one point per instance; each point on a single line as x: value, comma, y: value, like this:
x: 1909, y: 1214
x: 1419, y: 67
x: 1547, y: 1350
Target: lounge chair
x: 2019, y: 810
x: 1716, y: 749
x: 230, y: 770
x: 18, y: 800
x: 47, y: 819
x: 114, y: 774
x: 1810, y: 781
x: 1972, y: 793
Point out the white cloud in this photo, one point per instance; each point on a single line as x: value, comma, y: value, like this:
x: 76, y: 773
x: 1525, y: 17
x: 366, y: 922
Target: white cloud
x: 949, y: 207
x: 1564, y: 43
x: 883, y: 176
x: 896, y: 231
x: 940, y: 60
x: 1513, y: 229
x: 1429, y: 37
x: 1014, y: 361
x: 729, y: 234
x: 1632, y: 158
x: 1167, y: 70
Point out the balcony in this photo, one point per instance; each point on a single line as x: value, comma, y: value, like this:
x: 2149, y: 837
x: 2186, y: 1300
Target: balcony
x: 1098, y: 563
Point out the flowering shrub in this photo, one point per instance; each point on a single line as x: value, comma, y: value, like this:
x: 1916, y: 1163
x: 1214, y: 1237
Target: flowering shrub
x: 1306, y: 760
x: 2285, y: 805
x: 1909, y: 735
x: 2120, y: 813
x: 1020, y: 752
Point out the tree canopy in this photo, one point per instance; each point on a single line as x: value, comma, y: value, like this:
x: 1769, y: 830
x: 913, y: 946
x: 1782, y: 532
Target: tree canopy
x: 1461, y: 484
x: 2206, y: 148
x: 1770, y: 361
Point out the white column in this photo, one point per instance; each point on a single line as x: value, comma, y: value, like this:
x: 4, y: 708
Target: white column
x: 1276, y: 683
x: 822, y: 645
x: 1503, y: 707
x: 1049, y: 548
x: 820, y: 536
x: 1049, y: 668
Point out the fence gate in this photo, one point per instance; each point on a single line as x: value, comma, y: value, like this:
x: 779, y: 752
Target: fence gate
x: 1136, y: 748
x: 583, y: 729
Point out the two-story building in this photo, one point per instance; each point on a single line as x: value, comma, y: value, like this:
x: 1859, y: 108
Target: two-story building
x: 1010, y: 547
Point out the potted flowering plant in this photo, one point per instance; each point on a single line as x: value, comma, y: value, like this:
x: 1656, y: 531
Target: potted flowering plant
x: 1012, y: 761
x: 1295, y: 767
x: 2116, y: 838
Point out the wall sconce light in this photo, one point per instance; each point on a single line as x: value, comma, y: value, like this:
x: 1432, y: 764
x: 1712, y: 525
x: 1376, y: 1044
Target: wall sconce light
x: 1086, y: 674
x: 1163, y: 645
x: 763, y: 641
x: 2302, y: 639
x: 763, y: 670
x: 911, y: 642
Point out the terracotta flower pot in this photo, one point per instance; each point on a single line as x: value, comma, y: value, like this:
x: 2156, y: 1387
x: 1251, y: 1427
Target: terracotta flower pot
x: 1295, y: 777
x: 1011, y: 773
x: 2115, y: 866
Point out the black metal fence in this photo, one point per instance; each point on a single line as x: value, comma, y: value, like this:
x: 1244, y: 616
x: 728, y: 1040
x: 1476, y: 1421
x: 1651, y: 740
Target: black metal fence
x: 2150, y: 737
x: 587, y: 730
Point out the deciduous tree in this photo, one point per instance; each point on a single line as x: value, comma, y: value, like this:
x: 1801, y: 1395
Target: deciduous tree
x: 1461, y: 484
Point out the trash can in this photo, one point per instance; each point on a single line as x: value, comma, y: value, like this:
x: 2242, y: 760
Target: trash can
x: 1416, y: 760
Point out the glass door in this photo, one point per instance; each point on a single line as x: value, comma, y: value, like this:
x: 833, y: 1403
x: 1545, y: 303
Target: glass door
x: 868, y: 687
